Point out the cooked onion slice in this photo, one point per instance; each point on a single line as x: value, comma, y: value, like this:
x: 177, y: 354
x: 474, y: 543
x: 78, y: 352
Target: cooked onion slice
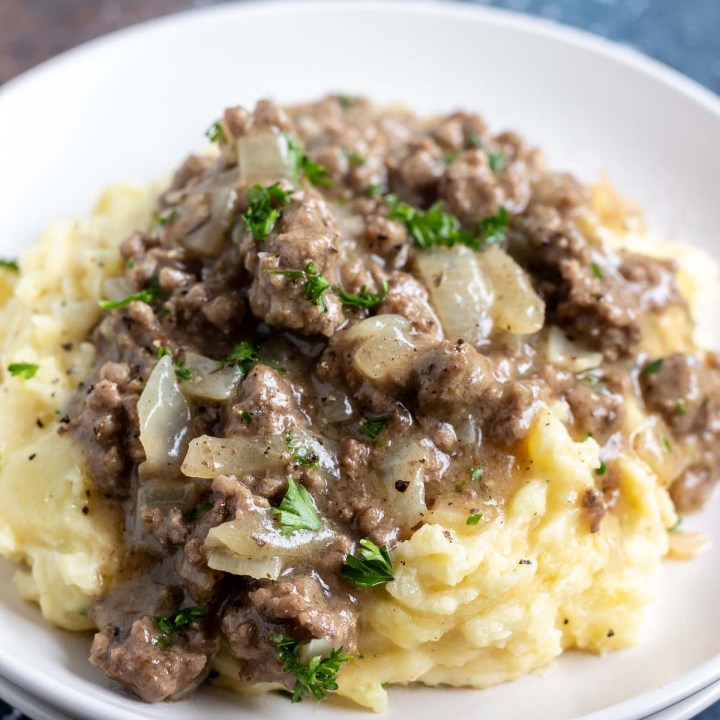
x: 565, y: 353
x: 261, y: 568
x: 208, y: 237
x: 164, y: 421
x: 209, y: 379
x: 517, y: 308
x: 262, y: 158
x: 459, y: 292
x: 209, y: 456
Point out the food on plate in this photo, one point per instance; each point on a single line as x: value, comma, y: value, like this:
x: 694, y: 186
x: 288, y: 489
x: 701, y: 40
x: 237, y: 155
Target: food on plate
x: 358, y: 398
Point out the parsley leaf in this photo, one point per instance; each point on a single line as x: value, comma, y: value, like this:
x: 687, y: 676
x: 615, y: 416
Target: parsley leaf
x: 597, y: 271
x: 675, y: 527
x: 216, y: 134
x: 373, y: 568
x: 652, y: 367
x: 297, y: 511
x: 165, y: 217
x: 602, y: 469
x: 364, y: 300
x: 263, y: 212
x: 473, y: 519
x: 496, y: 161
x: 476, y: 474
x: 376, y: 190
x: 245, y: 356
x: 301, y: 455
x: 682, y: 407
x: 317, y: 174
x: 199, y: 511
x: 9, y: 265
x: 314, y: 283
x: 346, y: 100
x: 152, y: 292
x: 181, y: 372
x: 492, y: 229
x: 23, y: 370
x: 373, y: 426
x: 315, y: 678
x: 666, y: 443
x: 169, y: 624
x: 354, y: 158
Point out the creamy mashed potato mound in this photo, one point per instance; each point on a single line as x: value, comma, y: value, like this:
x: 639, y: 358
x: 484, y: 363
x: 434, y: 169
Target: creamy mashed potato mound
x: 469, y: 605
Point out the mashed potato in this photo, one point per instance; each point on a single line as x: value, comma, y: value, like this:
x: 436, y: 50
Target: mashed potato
x: 470, y: 605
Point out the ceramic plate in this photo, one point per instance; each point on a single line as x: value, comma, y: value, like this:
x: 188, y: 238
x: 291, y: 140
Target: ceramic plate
x: 130, y: 106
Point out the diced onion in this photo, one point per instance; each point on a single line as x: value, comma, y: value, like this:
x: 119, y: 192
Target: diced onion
x: 268, y: 568
x: 210, y: 456
x: 164, y: 493
x: 208, y: 238
x: 164, y: 421
x: 317, y: 647
x: 334, y: 404
x: 458, y: 291
x: 262, y: 158
x: 384, y: 350
x: 209, y: 379
x: 516, y: 308
x: 566, y: 354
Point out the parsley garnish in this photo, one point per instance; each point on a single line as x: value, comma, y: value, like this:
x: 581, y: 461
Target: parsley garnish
x: 602, y: 469
x: 215, y: 133
x: 476, y: 474
x: 374, y: 567
x: 199, y: 511
x: 682, y: 407
x: 314, y: 283
x: 301, y: 455
x: 496, y: 161
x: 316, y: 678
x: 172, y: 623
x: 23, y: 370
x: 596, y: 271
x: 263, y: 212
x: 652, y: 367
x: 247, y: 416
x: 435, y: 227
x: 346, y: 100
x: 666, y: 443
x: 152, y: 292
x: 166, y: 216
x: 364, y: 300
x: 317, y: 174
x: 181, y: 372
x: 372, y: 427
x: 244, y: 356
x: 9, y: 265
x: 450, y: 158
x: 354, y: 158
x: 376, y: 190
x: 675, y: 527
x: 296, y: 511
x: 474, y: 141
x: 473, y: 519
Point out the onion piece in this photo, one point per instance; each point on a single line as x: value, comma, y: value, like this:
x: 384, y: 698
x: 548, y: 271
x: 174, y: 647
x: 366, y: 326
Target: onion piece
x: 209, y: 379
x: 565, y: 353
x: 210, y: 456
x: 164, y: 421
x: 317, y: 647
x: 459, y: 292
x: 517, y: 308
x: 166, y: 493
x: 208, y: 238
x: 260, y: 568
x: 263, y: 157
x: 384, y: 349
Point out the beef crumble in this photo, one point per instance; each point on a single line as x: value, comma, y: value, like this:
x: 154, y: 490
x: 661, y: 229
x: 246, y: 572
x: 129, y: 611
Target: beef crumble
x: 281, y: 279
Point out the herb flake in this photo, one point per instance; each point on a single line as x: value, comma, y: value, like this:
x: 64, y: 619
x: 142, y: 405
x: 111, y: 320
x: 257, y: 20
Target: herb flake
x: 11, y: 265
x: 297, y: 511
x: 373, y: 426
x: 300, y: 454
x: 474, y: 519
x: 363, y: 300
x: 652, y: 367
x: 216, y: 133
x: 263, y: 211
x: 374, y: 566
x: 197, y: 512
x: 314, y: 283
x: 23, y: 370
x: 169, y: 624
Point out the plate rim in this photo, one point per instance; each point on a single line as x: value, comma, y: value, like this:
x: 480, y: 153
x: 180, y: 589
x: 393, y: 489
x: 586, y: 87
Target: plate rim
x: 63, y: 697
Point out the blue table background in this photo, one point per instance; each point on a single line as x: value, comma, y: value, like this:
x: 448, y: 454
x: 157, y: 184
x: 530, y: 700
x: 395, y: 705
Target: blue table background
x: 682, y: 33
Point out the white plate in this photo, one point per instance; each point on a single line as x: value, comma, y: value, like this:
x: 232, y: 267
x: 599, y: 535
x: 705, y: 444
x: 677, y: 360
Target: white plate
x: 690, y: 707
x: 129, y: 106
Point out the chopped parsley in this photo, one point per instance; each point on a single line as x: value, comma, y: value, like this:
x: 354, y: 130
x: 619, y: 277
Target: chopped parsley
x: 9, y: 265
x: 181, y: 372
x: 263, y: 209
x: 314, y: 283
x: 602, y: 469
x: 450, y: 158
x: 496, y: 161
x: 363, y: 300
x: 169, y: 624
x: 675, y: 527
x: 199, y: 511
x: 244, y: 356
x: 23, y: 370
x: 315, y: 678
x: 474, y: 141
x: 372, y: 568
x: 474, y: 519
x: 346, y: 101
x: 301, y: 455
x: 434, y: 227
x: 247, y: 416
x: 152, y: 292
x: 652, y: 367
x: 666, y: 443
x: 373, y: 426
x: 317, y: 174
x: 297, y: 511
x: 165, y: 217
x: 476, y: 474
x: 376, y: 190
x: 682, y: 407
x: 596, y: 271
x: 216, y: 134
x: 354, y: 158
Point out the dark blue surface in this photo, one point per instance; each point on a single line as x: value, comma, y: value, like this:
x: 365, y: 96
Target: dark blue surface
x: 682, y: 33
